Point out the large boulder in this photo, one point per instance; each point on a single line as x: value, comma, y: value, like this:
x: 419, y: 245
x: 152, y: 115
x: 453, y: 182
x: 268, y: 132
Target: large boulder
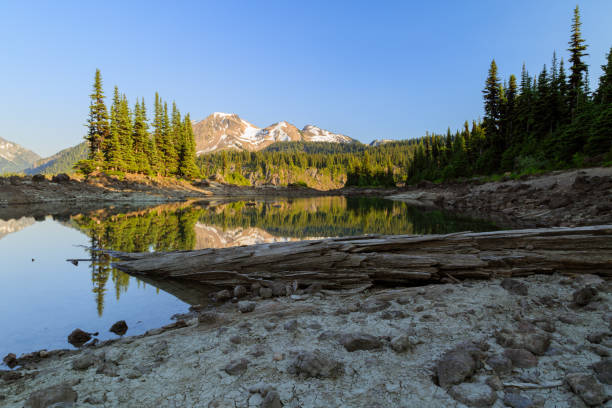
x: 57, y: 394
x: 316, y: 364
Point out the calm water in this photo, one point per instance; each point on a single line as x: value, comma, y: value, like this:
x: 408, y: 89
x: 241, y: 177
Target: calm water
x: 43, y: 297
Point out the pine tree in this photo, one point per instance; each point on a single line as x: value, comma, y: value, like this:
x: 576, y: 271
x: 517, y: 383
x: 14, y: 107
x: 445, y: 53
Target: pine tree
x: 604, y: 90
x: 125, y: 135
x: 165, y: 146
x: 187, y: 166
x: 140, y: 139
x: 491, y: 123
x: 176, y: 140
x: 98, y: 129
x: 577, y: 50
x: 113, y: 153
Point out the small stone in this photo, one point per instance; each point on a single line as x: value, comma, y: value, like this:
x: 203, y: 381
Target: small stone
x: 316, y: 364
x: 265, y: 293
x: 495, y: 383
x: 584, y: 296
x: 568, y: 318
x: 246, y: 307
x: 10, y: 360
x: 236, y: 367
x: 373, y: 306
x: 402, y: 343
x: 521, y: 358
x: 603, y: 371
x: 119, y: 328
x: 278, y: 356
x: 454, y: 367
x: 271, y: 400
x: 240, y: 291
x: 473, y: 394
x: 54, y: 395
x: 223, y: 295
x: 207, y: 318
x: 291, y: 325
x: 78, y: 337
x: 255, y: 288
x: 537, y: 343
x: 596, y: 337
x: 269, y: 326
x: 404, y: 300
x: 515, y: 287
x: 84, y: 361
x: 419, y: 308
x: 134, y: 373
x: 587, y: 388
x: 360, y: 341
x: 278, y: 289
x: 314, y: 288
x: 500, y: 364
x: 516, y: 400
x: 235, y: 340
x: 108, y: 369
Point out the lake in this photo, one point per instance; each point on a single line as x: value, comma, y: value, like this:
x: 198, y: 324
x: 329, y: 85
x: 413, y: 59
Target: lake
x: 43, y: 297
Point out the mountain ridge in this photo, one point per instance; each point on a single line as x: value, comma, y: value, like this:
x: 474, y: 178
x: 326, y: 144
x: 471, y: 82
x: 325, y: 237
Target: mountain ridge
x: 14, y: 157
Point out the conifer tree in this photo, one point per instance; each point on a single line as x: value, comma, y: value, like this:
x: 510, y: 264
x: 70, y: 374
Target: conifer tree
x: 140, y: 139
x: 113, y: 154
x: 187, y: 166
x: 125, y: 135
x: 577, y: 51
x: 98, y: 129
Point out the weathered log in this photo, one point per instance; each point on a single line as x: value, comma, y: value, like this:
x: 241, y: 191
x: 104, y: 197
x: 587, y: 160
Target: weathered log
x: 399, y: 259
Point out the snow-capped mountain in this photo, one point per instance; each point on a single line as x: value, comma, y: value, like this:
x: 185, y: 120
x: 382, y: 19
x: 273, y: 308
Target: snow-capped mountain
x: 14, y: 158
x: 221, y: 131
x: 379, y: 142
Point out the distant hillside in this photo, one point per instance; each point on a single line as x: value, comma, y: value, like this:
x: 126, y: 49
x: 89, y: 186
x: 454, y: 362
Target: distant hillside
x: 316, y: 147
x: 15, y: 158
x: 60, y: 162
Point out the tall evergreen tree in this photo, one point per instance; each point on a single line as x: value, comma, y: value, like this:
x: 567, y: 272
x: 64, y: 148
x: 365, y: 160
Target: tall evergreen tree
x: 125, y: 135
x: 140, y: 139
x: 187, y: 155
x: 113, y: 153
x: 577, y: 51
x: 98, y: 128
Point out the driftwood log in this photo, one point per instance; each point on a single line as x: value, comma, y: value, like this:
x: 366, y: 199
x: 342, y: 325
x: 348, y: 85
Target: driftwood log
x: 350, y: 262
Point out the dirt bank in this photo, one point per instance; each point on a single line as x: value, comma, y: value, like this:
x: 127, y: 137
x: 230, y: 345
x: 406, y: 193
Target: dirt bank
x: 568, y: 198
x: 478, y: 343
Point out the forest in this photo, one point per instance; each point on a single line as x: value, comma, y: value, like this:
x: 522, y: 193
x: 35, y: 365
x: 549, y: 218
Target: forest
x: 123, y: 143
x: 550, y: 120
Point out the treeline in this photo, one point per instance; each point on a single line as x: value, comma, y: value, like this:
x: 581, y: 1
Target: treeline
x: 548, y: 121
x: 124, y: 143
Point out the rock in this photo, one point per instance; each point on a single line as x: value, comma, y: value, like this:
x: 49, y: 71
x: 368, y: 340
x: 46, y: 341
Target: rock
x: 207, y: 318
x: 10, y: 360
x: 108, y: 369
x: 60, y: 178
x: 269, y: 326
x: 291, y: 325
x: 84, y: 361
x: 404, y: 300
x: 278, y: 289
x: 316, y: 364
x: 587, y: 388
x: 240, y: 291
x: 526, y: 338
x: 119, y: 328
x: 236, y: 367
x: 584, y: 296
x: 603, y: 371
x: 373, y: 306
x: 57, y: 394
x: 265, y: 293
x: 516, y: 400
x: 515, y: 287
x: 402, y: 343
x: 37, y: 178
x: 521, y: 358
x: 314, y: 288
x: 537, y: 343
x: 235, y: 340
x: 246, y: 307
x: 271, y: 400
x: 473, y: 394
x: 360, y: 341
x: 223, y: 295
x: 10, y: 376
x: 278, y: 357
x: 596, y: 337
x: 95, y: 399
x: 78, y: 337
x: 495, y: 382
x: 500, y: 364
x: 568, y: 318
x: 454, y: 367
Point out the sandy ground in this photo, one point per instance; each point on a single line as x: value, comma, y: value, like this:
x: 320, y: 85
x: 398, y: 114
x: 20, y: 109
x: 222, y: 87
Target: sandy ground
x: 225, y: 358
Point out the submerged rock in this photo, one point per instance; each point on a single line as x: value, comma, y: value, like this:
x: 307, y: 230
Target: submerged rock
x: 236, y: 367
x: 119, y: 328
x: 360, y: 341
x: 587, y: 388
x: 584, y: 296
x: 78, y: 337
x: 474, y: 394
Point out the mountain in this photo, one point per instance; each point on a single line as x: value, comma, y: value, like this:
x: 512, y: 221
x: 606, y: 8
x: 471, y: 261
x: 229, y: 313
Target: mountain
x: 221, y: 131
x: 60, y: 162
x: 379, y: 142
x: 14, y: 158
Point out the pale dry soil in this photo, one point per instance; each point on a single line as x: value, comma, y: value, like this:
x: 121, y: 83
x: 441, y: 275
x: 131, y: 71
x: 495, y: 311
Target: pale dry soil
x: 186, y: 367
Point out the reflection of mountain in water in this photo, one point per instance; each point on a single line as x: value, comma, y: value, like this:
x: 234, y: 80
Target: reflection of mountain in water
x: 10, y: 226
x: 209, y: 236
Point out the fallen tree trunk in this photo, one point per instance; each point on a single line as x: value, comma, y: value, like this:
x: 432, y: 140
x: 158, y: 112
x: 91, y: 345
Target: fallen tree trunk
x: 351, y: 262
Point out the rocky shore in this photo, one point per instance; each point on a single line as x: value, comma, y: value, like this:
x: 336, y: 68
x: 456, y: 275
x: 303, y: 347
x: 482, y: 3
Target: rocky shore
x: 563, y: 198
x: 542, y: 341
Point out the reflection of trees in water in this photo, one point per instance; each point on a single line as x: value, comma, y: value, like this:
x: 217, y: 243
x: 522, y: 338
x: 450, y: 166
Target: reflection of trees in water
x: 172, y: 227
x: 338, y: 216
x: 158, y: 230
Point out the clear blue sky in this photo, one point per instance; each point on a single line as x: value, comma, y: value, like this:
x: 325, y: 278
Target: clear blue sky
x: 367, y: 69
